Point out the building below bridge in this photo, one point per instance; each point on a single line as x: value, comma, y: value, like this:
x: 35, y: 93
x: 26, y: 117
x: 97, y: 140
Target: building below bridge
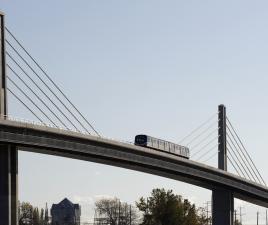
x: 65, y: 213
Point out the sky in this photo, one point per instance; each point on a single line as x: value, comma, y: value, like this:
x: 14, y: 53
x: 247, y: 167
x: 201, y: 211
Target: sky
x: 154, y: 67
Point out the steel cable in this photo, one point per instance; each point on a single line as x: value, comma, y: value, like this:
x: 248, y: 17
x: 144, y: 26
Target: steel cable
x: 211, y: 157
x: 31, y: 101
x: 198, y: 128
x: 13, y: 71
x: 25, y: 105
x: 246, y: 151
x: 234, y: 152
x: 200, y: 134
x: 233, y: 158
x: 204, y: 139
x: 241, y: 156
x: 233, y: 166
x: 54, y: 104
x: 55, y: 85
x: 195, y: 152
x: 208, y: 151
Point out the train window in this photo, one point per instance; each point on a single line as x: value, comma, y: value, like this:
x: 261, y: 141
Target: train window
x: 148, y: 139
x: 166, y: 146
x: 172, y: 147
x: 140, y: 139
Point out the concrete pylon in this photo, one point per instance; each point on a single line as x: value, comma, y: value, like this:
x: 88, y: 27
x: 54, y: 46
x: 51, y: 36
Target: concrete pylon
x: 8, y: 153
x: 222, y: 200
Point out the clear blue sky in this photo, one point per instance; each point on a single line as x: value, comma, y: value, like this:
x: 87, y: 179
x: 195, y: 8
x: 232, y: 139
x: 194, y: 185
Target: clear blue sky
x: 156, y: 67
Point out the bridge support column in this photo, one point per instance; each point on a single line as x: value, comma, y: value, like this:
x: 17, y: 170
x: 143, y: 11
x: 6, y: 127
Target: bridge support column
x: 222, y: 207
x: 8, y: 185
x: 222, y: 150
x: 222, y: 200
x: 8, y: 153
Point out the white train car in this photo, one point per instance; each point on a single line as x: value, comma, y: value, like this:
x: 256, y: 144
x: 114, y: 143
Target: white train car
x: 161, y: 145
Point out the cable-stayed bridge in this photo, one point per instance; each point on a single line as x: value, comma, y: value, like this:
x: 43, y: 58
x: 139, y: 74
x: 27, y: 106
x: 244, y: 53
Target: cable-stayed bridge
x: 62, y: 130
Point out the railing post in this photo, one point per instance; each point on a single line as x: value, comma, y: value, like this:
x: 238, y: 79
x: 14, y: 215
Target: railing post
x: 222, y: 199
x: 8, y: 153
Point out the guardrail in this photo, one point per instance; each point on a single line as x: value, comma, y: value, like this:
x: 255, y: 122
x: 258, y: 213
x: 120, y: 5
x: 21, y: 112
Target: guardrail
x: 43, y: 124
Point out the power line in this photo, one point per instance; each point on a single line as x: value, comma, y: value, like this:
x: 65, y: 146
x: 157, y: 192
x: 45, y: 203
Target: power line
x: 55, y: 85
x: 13, y: 71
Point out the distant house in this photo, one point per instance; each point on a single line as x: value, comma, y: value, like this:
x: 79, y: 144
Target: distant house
x: 65, y: 213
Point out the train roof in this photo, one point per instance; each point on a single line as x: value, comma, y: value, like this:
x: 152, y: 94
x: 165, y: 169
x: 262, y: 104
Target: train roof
x: 162, y: 140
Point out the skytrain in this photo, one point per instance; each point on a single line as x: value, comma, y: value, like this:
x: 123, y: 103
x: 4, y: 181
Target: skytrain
x: 161, y: 145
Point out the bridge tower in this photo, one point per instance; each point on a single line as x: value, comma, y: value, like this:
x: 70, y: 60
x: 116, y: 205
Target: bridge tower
x: 8, y: 153
x: 222, y: 200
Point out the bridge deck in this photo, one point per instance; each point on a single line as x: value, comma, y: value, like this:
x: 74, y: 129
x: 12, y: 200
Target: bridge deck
x: 47, y: 140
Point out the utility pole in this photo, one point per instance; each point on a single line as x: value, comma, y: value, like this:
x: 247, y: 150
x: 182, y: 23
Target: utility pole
x: 207, y: 213
x: 240, y: 209
x: 266, y: 219
x: 119, y: 213
x: 130, y: 222
x: 207, y: 210
x: 257, y: 218
x: 241, y: 214
x: 235, y: 212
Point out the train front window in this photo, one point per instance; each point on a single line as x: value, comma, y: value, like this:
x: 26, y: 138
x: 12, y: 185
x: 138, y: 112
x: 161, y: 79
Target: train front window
x: 142, y: 139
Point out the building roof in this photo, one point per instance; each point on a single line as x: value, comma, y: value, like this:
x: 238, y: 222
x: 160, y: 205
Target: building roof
x: 66, y: 203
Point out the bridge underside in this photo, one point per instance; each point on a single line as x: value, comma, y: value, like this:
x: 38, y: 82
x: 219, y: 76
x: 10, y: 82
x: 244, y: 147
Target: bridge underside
x: 84, y: 147
x: 56, y: 142
x: 179, y: 175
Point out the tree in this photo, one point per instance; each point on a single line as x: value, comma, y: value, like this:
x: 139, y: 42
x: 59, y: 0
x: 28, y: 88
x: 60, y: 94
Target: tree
x: 114, y: 212
x: 42, y: 221
x: 25, y: 213
x: 29, y: 215
x: 46, y: 219
x: 36, y: 217
x: 166, y: 208
x: 203, y: 220
x: 236, y: 222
